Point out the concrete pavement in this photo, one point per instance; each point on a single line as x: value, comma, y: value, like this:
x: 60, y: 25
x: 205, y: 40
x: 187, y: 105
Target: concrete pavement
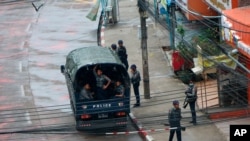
x: 164, y: 86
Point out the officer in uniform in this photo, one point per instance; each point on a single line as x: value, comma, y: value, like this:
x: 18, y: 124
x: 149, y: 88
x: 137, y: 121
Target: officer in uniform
x: 135, y: 80
x: 101, y: 87
x: 119, y: 89
x: 122, y: 53
x: 191, y: 97
x: 174, y: 118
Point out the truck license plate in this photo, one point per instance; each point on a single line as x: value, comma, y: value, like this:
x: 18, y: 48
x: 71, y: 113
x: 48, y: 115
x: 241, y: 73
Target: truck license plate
x: 102, y: 115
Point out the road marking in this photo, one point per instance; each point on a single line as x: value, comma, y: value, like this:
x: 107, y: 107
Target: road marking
x: 22, y: 90
x: 102, y: 36
x: 149, y: 138
x: 27, y: 116
x: 141, y: 131
x: 20, y: 66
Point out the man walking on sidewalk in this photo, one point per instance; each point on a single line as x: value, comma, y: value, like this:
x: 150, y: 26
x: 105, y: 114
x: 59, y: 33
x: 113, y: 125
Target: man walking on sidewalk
x: 174, y: 119
x: 135, y: 80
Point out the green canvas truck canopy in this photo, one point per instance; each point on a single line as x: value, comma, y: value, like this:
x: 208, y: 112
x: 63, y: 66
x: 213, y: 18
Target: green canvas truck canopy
x: 87, y: 56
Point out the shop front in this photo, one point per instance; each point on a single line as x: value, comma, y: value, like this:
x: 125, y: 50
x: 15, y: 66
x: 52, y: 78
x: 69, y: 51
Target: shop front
x: 234, y: 84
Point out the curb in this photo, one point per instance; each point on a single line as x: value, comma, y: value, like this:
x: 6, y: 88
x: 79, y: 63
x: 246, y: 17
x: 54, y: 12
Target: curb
x: 102, y: 35
x: 100, y: 31
x: 138, y: 126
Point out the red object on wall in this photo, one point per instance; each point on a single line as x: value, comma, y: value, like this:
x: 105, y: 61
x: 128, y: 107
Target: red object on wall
x: 177, y: 61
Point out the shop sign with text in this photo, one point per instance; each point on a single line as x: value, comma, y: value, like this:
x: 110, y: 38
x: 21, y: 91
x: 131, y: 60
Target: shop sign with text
x: 220, y: 5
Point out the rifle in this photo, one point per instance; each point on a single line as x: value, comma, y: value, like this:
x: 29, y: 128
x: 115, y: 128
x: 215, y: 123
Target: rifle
x: 181, y: 127
x: 185, y: 103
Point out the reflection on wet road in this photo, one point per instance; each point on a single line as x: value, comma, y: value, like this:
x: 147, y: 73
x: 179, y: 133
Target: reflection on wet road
x: 33, y: 45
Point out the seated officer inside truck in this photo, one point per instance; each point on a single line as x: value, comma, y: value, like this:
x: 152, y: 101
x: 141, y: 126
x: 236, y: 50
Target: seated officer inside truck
x: 102, y: 83
x: 86, y: 93
x: 119, y: 90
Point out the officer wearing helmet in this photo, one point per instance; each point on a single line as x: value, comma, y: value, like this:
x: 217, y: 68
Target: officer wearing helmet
x: 135, y: 80
x: 122, y: 53
x: 174, y: 119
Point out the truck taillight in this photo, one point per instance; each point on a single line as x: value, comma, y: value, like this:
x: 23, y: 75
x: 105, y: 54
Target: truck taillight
x: 85, y: 116
x: 120, y: 114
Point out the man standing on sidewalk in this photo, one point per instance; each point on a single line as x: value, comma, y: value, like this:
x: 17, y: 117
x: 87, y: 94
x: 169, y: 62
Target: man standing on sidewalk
x: 174, y: 119
x: 135, y: 80
x: 191, y: 97
x: 122, y: 53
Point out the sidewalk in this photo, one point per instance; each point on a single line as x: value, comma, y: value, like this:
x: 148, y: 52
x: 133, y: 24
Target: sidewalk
x: 164, y: 86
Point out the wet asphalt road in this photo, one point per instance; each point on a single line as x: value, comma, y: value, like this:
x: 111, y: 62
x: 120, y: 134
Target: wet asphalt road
x: 33, y: 45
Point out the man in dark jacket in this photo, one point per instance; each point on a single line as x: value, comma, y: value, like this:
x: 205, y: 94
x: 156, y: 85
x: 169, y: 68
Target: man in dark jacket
x: 122, y: 53
x: 174, y: 118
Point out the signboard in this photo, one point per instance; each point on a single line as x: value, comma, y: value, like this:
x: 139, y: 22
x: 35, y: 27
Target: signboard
x: 244, y: 48
x: 220, y: 5
x: 231, y: 36
x: 227, y: 33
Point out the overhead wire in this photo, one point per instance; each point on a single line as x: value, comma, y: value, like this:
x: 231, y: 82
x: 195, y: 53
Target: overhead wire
x: 218, y: 25
x: 33, y: 119
x: 170, y: 99
x: 214, y: 43
x: 201, y: 122
x: 147, y: 123
x: 209, y: 41
x: 158, y: 93
x: 195, y: 13
x: 209, y: 27
x: 202, y: 22
x: 162, y: 100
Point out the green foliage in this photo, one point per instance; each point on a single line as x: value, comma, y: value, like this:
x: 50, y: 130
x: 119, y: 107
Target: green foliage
x: 185, y: 76
x: 211, y: 34
x: 181, y: 30
x: 206, y: 45
x: 186, y: 52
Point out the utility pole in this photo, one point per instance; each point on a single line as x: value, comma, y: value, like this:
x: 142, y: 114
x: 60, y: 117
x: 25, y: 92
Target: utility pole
x: 143, y: 17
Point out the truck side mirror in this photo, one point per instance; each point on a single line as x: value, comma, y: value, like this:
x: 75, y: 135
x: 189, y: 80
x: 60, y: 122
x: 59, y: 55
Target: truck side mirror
x: 62, y: 68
